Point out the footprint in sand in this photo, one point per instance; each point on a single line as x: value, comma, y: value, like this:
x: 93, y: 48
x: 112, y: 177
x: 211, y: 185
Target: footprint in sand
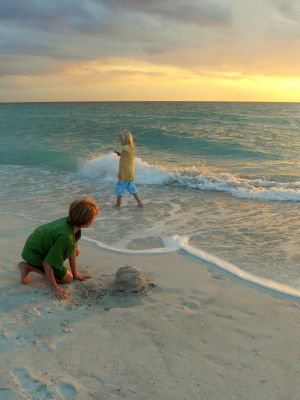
x: 61, y: 342
x: 31, y: 387
x: 5, y: 394
x: 68, y: 391
x: 190, y: 305
x: 4, y: 334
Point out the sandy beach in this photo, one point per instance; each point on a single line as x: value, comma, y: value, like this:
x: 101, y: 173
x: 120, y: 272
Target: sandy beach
x: 199, y: 334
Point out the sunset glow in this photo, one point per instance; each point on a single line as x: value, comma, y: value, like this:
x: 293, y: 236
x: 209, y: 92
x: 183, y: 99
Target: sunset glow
x: 100, y: 50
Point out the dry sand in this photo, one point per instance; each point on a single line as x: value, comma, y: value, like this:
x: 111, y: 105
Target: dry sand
x: 200, y: 334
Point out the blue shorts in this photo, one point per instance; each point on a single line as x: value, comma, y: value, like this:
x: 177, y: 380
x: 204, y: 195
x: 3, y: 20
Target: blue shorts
x: 122, y: 185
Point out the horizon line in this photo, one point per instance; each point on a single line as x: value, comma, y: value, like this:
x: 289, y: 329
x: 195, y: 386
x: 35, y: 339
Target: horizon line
x: 147, y: 101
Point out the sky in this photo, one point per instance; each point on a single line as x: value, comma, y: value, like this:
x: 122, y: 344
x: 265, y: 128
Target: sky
x: 148, y: 50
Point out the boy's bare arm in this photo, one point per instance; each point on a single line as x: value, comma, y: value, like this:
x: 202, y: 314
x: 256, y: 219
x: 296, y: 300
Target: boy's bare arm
x: 72, y: 262
x: 60, y: 293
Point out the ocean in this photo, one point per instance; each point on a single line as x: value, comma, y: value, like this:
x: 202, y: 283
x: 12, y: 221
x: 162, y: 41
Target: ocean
x: 219, y: 180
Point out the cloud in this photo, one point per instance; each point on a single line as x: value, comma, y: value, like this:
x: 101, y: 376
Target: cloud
x: 45, y: 14
x: 288, y: 10
x: 199, y: 12
x: 79, y: 13
x: 76, y: 30
x: 39, y: 37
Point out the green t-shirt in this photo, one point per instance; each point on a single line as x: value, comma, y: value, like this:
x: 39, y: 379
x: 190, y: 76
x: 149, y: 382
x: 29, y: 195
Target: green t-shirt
x: 53, y: 243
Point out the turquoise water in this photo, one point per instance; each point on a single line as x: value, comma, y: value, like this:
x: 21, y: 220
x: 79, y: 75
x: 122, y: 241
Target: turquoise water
x: 224, y: 176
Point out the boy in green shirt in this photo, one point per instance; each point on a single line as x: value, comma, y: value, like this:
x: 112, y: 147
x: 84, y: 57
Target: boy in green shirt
x: 51, y: 244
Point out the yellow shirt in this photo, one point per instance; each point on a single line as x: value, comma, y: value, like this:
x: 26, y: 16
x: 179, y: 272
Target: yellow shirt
x: 126, y: 168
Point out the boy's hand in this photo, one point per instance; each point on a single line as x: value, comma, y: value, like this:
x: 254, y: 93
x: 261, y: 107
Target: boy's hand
x: 60, y: 293
x: 82, y: 277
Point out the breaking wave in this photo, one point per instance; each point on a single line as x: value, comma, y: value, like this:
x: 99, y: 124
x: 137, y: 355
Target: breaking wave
x: 105, y: 167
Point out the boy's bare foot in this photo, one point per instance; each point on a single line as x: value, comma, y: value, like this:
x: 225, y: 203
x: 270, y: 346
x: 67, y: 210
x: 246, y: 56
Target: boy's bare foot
x: 24, y: 270
x: 118, y: 202
x: 138, y: 200
x: 118, y: 206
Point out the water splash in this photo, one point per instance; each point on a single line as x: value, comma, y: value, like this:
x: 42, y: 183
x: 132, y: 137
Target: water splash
x: 105, y: 167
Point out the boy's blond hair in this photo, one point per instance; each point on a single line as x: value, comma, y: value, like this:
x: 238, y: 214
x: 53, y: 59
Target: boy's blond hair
x: 83, y: 211
x: 126, y: 138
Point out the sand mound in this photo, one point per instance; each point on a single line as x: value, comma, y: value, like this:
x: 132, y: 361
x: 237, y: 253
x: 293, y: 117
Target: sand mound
x: 131, y: 280
x: 128, y: 281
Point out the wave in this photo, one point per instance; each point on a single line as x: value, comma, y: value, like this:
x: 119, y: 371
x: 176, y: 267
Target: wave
x: 182, y: 242
x: 31, y: 157
x: 177, y: 242
x: 162, y: 250
x: 105, y: 167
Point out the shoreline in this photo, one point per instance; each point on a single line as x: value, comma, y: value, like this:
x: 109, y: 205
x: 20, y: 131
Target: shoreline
x: 221, y: 266
x: 199, y: 334
x: 175, y: 244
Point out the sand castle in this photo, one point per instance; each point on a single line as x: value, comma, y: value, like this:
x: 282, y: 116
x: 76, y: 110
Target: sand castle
x: 131, y: 280
x: 128, y: 281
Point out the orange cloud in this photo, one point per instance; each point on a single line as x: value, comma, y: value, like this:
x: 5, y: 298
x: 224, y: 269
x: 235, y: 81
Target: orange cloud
x: 124, y: 79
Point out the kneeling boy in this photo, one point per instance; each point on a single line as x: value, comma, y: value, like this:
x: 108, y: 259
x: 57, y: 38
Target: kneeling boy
x: 51, y: 244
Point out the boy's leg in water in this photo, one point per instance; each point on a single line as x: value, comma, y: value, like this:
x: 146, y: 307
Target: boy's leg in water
x: 118, y: 203
x: 138, y: 199
x: 25, y: 269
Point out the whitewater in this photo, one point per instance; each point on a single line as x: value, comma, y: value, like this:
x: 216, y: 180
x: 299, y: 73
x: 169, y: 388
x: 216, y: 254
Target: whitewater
x: 105, y: 167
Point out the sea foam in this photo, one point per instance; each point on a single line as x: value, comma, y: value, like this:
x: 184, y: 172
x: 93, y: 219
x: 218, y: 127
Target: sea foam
x: 177, y: 242
x: 182, y: 242
x: 105, y: 167
x: 173, y: 247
